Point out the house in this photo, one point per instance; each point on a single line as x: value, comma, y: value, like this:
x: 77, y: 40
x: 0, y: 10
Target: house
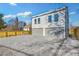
x: 51, y: 23
x: 27, y: 27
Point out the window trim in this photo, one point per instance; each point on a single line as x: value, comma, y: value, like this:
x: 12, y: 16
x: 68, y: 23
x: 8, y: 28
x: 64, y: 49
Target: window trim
x: 38, y: 20
x: 50, y: 18
x: 56, y: 17
x: 35, y: 21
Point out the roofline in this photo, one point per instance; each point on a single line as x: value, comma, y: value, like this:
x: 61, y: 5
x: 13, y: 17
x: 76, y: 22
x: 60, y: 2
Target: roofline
x: 49, y: 12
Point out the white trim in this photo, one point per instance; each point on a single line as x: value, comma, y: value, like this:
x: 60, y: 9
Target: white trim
x: 43, y: 31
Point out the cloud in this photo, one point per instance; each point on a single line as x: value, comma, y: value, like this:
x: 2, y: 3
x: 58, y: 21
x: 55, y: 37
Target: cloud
x: 72, y: 13
x: 13, y: 4
x: 8, y: 16
x: 24, y: 14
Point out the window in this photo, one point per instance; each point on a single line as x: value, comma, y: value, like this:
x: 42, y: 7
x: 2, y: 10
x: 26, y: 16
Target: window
x: 56, y: 16
x: 35, y: 21
x: 50, y: 18
x: 38, y: 20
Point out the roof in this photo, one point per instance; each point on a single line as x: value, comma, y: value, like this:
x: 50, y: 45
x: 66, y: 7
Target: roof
x: 52, y: 11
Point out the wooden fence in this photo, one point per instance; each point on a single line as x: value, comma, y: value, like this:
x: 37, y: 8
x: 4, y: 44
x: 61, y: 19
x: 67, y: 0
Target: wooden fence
x: 74, y: 32
x: 14, y: 33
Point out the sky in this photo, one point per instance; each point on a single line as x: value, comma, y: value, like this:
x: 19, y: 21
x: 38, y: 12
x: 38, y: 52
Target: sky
x: 24, y: 11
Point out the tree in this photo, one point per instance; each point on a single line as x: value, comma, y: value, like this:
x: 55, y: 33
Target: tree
x: 21, y: 25
x: 16, y: 23
x: 1, y: 21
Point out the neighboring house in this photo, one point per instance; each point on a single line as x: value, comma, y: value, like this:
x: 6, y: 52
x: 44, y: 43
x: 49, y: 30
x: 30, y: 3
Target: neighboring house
x: 27, y: 28
x: 21, y: 25
x: 51, y: 23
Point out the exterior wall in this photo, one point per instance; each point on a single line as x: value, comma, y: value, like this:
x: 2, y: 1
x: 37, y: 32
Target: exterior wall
x: 43, y: 22
x: 57, y: 32
x: 37, y: 31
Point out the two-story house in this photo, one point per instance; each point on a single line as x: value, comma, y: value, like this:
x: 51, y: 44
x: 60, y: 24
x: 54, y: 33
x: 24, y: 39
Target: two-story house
x: 51, y: 23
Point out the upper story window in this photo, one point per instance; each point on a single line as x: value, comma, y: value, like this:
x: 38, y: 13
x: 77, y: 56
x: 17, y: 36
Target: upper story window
x: 50, y: 18
x: 35, y: 21
x: 38, y: 20
x: 56, y: 17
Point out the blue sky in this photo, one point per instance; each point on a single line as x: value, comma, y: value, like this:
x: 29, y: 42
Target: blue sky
x: 37, y: 8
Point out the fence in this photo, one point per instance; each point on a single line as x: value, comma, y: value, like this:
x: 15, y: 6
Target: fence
x: 74, y: 32
x: 14, y: 33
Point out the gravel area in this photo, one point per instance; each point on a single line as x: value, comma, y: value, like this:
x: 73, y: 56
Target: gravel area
x: 28, y: 45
